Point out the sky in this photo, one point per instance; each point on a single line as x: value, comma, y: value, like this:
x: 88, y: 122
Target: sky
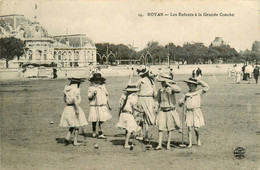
x: 131, y: 21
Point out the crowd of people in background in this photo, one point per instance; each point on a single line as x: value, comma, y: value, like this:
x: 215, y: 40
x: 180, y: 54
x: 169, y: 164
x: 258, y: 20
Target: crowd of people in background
x: 246, y: 71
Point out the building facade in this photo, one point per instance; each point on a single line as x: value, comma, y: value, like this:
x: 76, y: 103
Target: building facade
x: 41, y: 48
x: 218, y: 41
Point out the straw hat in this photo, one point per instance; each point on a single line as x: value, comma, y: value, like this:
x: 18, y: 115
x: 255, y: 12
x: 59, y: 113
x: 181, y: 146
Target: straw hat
x: 192, y: 81
x: 165, y: 78
x: 78, y: 80
x: 142, y: 70
x: 131, y: 88
x: 97, y: 76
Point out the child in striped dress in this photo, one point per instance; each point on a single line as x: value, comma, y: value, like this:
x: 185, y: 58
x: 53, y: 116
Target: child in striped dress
x: 146, y: 100
x: 168, y: 119
x: 191, y: 101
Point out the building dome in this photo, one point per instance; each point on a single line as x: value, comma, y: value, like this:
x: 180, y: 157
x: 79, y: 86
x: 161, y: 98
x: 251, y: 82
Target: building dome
x: 35, y: 30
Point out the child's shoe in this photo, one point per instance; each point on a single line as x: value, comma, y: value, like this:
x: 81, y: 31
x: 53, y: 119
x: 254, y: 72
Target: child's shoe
x: 140, y: 138
x: 77, y: 144
x: 158, y: 148
x: 199, y: 143
x: 127, y: 146
x: 102, y: 137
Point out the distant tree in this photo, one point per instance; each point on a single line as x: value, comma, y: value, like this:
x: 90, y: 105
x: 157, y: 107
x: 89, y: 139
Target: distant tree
x: 102, y: 48
x: 179, y: 54
x: 172, y: 51
x: 158, y: 53
x: 10, y: 48
x: 189, y: 53
x: 124, y: 52
x: 121, y: 51
x: 212, y: 55
x: 224, y: 52
x: 251, y: 56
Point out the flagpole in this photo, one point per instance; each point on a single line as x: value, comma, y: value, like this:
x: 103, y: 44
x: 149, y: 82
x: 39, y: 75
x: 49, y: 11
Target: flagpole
x: 35, y: 10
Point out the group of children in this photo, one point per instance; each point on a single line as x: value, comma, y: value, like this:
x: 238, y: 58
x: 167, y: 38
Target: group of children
x: 141, y: 106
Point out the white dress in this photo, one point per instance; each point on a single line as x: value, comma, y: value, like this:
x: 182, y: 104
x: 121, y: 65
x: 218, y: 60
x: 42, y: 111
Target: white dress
x: 69, y: 117
x: 126, y: 118
x: 192, y: 101
x: 98, y: 110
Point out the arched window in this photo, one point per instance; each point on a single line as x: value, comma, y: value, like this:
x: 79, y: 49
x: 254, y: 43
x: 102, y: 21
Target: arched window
x: 45, y: 54
x: 69, y: 55
x: 38, y: 54
x: 65, y: 55
x: 8, y: 29
x: 55, y: 55
x: 76, y: 55
x: 59, y: 56
x: 37, y: 32
x: 21, y: 33
x: 30, y: 54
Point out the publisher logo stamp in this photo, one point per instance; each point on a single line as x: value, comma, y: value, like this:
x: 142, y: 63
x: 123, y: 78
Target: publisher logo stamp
x: 239, y: 153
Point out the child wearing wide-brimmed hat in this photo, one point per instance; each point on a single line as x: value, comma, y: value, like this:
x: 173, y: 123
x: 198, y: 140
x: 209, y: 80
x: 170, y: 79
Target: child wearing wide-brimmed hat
x: 146, y: 99
x: 128, y: 111
x: 168, y: 118
x: 191, y: 101
x: 99, y: 105
x: 73, y: 116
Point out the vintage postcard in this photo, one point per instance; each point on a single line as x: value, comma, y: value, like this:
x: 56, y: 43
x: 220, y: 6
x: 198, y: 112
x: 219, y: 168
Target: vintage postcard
x: 110, y: 84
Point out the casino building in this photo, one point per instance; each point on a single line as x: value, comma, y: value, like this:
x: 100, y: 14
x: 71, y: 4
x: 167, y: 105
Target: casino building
x: 64, y: 50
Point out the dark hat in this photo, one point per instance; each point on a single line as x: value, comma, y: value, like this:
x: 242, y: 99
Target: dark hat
x: 131, y: 88
x: 142, y: 70
x: 191, y: 81
x: 79, y: 80
x: 97, y: 76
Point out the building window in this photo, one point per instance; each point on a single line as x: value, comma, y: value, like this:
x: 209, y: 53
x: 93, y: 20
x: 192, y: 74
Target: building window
x: 30, y: 55
x: 45, y: 55
x: 76, y: 55
x: 39, y: 54
x: 69, y: 56
x: 65, y: 56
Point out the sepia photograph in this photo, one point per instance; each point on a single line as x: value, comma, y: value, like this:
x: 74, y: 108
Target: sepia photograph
x: 110, y: 84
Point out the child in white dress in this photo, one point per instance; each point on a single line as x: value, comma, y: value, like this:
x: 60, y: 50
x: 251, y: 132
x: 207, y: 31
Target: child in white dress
x: 73, y: 116
x: 168, y: 119
x: 99, y: 107
x: 128, y: 110
x: 191, y: 101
